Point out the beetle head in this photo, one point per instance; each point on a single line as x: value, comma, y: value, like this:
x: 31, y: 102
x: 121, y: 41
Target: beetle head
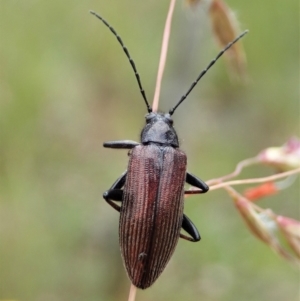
x: 159, y: 129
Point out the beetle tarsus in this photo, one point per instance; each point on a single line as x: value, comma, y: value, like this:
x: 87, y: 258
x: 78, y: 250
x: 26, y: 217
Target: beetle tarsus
x: 190, y: 228
x: 106, y: 196
x: 195, y: 181
x: 115, y: 193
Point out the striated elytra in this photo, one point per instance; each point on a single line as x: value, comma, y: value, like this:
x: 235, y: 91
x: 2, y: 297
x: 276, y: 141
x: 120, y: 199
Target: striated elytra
x: 151, y: 214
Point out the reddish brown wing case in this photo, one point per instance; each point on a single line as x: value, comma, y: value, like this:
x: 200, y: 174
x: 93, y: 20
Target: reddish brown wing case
x: 152, y: 211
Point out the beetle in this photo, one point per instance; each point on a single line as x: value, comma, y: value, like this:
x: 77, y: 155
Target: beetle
x: 151, y: 190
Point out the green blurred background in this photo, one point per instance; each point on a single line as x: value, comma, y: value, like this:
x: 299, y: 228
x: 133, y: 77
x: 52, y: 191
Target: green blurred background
x: 66, y: 86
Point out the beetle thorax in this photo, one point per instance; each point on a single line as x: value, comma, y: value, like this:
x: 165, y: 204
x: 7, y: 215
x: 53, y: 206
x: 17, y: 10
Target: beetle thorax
x: 159, y: 129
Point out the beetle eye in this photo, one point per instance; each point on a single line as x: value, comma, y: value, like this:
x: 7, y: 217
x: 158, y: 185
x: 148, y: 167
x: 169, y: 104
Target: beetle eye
x: 168, y: 117
x: 149, y: 117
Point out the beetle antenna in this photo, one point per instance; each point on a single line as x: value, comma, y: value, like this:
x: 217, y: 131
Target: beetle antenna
x: 205, y: 70
x: 129, y: 58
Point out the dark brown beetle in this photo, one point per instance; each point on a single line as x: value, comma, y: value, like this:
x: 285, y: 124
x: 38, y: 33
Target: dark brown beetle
x: 152, y: 191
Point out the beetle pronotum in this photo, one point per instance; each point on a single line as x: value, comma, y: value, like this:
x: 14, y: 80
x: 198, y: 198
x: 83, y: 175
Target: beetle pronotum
x: 152, y: 190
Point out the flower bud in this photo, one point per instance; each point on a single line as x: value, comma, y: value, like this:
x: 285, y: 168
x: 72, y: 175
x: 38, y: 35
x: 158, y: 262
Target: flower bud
x: 265, y: 189
x: 225, y: 29
x: 284, y: 158
x: 291, y: 231
x: 264, y: 224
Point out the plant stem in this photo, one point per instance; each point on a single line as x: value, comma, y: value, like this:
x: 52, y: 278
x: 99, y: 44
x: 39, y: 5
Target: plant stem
x: 241, y: 165
x: 132, y: 293
x: 256, y: 180
x: 163, y: 55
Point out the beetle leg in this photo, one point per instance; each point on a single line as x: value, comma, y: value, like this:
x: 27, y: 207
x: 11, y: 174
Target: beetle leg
x: 115, y: 193
x: 127, y: 144
x: 119, y: 183
x: 191, y: 229
x: 194, y: 181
